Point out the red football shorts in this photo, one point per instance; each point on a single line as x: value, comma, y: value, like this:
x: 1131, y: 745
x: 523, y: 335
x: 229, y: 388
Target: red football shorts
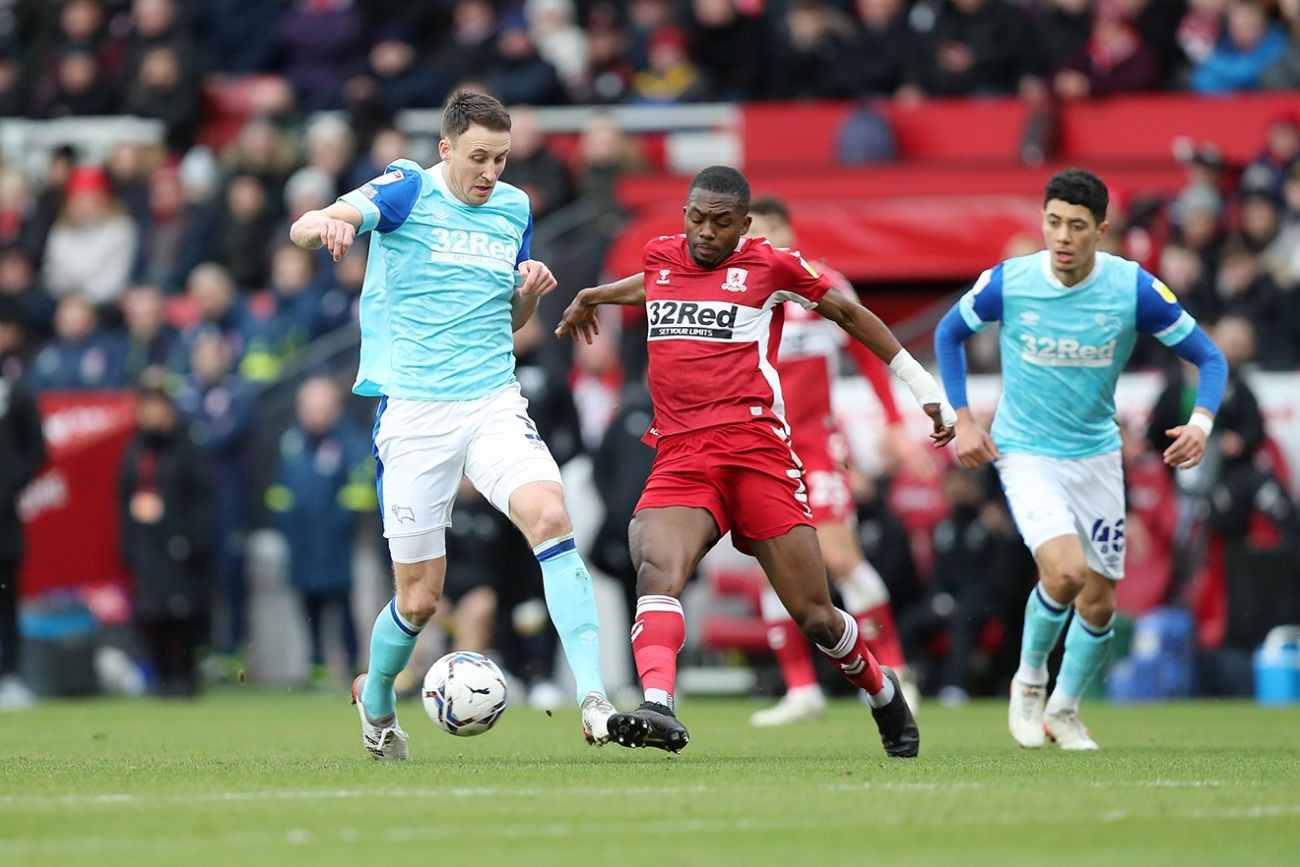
x: 745, y: 475
x: 830, y: 497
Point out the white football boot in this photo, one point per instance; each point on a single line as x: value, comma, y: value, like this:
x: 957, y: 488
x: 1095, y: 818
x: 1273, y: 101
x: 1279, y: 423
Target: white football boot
x: 596, y: 711
x: 383, y: 739
x: 796, y: 706
x: 1025, y: 716
x: 1068, y: 730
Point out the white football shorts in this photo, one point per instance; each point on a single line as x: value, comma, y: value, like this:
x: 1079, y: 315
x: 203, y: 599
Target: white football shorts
x: 424, y: 447
x: 1051, y: 497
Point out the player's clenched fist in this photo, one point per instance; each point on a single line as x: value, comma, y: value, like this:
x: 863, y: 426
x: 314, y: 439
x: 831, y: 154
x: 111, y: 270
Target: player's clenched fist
x: 337, y: 237
x: 975, y: 447
x: 538, y: 279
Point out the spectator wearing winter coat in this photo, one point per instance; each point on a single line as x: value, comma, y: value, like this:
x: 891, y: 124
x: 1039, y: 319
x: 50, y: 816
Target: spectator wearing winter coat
x: 324, y: 481
x: 81, y: 356
x: 165, y: 510
x: 1250, y: 45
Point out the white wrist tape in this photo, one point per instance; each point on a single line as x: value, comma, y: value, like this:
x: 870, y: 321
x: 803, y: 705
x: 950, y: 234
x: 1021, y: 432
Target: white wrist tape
x: 1202, y: 421
x: 922, y: 384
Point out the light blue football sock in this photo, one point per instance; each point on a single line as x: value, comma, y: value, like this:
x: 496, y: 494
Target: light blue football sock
x: 572, y: 604
x: 1086, y: 648
x: 391, y: 643
x: 1044, y: 619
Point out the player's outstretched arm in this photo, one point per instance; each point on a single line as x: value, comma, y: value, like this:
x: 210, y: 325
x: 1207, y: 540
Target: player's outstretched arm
x: 974, y: 445
x: 866, y: 328
x: 1188, y: 446
x: 579, y: 318
x: 334, y: 228
x: 1160, y: 314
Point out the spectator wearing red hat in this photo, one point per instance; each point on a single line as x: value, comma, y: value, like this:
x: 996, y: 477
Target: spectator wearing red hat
x: 669, y: 76
x: 92, y: 246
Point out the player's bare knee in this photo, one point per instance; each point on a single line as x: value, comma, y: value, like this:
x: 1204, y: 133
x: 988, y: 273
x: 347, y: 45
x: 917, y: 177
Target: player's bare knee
x: 547, y: 519
x: 653, y: 579
x: 820, y: 623
x: 417, y: 605
x: 1097, y: 613
x: 1096, y: 604
x: 1064, y: 580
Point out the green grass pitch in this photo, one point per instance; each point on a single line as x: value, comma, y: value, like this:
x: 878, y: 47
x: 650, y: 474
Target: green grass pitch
x: 246, y: 777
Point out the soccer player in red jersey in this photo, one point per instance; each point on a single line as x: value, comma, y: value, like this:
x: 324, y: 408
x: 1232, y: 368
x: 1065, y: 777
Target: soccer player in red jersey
x: 724, y: 463
x: 810, y: 349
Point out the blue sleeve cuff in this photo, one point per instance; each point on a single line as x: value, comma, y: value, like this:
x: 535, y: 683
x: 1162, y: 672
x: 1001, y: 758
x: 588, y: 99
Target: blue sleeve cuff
x: 949, y: 336
x: 1180, y: 330
x: 1199, y: 349
x: 369, y: 211
x: 969, y: 317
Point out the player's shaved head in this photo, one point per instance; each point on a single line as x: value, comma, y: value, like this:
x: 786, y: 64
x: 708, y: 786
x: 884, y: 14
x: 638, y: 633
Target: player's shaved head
x: 468, y: 107
x: 1079, y: 187
x: 723, y: 180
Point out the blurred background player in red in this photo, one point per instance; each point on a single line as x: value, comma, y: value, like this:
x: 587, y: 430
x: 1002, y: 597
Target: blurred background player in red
x: 809, y: 353
x: 714, y: 302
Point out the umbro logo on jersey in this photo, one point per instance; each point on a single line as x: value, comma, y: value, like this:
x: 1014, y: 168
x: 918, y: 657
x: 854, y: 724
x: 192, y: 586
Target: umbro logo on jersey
x: 735, y: 281
x: 704, y: 319
x: 1029, y: 317
x: 664, y: 275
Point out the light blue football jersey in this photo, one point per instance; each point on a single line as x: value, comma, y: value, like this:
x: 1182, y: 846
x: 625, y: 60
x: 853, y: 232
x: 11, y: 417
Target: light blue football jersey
x: 1063, y: 348
x: 435, y: 305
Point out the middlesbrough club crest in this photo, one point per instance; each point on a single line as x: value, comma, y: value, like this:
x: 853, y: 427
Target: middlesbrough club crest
x: 735, y: 281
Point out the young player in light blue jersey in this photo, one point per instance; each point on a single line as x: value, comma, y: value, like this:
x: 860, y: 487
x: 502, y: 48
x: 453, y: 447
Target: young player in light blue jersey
x: 449, y: 278
x: 1069, y: 316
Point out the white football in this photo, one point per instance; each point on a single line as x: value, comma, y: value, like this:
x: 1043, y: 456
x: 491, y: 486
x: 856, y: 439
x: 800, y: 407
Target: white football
x: 464, y: 693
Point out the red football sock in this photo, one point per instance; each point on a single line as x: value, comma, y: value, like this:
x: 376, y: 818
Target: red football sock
x: 854, y: 659
x: 876, y: 625
x: 792, y: 653
x: 658, y: 634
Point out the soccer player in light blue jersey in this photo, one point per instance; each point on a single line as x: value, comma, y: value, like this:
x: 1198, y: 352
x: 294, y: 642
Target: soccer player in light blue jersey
x: 449, y: 278
x: 1069, y: 316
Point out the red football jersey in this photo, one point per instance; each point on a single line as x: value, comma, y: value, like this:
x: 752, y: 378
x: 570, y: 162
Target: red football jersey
x: 810, y: 348
x: 714, y: 332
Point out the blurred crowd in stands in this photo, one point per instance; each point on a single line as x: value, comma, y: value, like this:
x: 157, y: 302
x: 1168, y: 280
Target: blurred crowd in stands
x: 168, y: 268
x: 147, y: 57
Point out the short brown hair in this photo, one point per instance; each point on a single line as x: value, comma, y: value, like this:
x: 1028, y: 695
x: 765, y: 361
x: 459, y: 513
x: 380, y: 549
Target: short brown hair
x: 770, y: 206
x: 467, y: 107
